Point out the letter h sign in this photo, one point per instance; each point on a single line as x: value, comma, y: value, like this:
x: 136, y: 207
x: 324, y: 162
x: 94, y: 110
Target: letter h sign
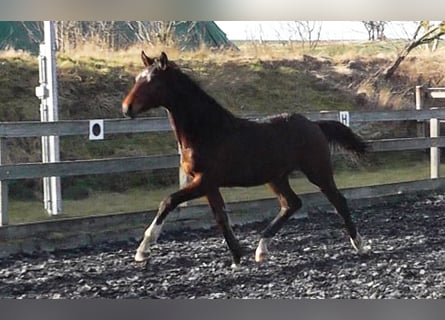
x: 344, y: 117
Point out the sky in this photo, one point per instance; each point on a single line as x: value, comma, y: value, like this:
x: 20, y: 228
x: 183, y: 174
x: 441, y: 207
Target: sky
x: 330, y: 30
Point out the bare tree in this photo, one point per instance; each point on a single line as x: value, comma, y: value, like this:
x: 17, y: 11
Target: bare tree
x: 375, y: 29
x: 427, y: 26
x: 112, y: 34
x: 308, y: 32
x: 430, y: 35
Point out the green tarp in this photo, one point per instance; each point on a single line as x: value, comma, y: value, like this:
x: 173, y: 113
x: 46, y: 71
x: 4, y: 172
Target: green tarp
x: 21, y: 35
x: 188, y: 35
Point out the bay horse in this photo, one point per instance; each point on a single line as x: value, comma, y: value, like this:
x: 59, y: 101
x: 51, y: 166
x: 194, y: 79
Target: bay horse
x: 219, y: 149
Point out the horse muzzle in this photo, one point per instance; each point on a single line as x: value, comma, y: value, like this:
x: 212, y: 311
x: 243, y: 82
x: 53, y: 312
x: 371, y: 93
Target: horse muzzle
x: 127, y: 112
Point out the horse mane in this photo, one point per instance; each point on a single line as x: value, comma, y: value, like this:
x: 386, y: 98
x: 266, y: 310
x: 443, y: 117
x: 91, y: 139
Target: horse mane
x: 189, y: 84
x: 201, y: 110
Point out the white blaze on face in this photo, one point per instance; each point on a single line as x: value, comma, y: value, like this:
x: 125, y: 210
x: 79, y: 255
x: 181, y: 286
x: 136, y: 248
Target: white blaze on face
x: 144, y: 74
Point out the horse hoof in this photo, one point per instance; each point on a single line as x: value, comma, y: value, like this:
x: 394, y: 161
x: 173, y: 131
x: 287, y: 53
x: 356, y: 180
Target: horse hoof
x: 235, y: 266
x: 141, y: 256
x: 260, y: 257
x: 357, y: 244
x: 366, y: 250
x: 262, y: 251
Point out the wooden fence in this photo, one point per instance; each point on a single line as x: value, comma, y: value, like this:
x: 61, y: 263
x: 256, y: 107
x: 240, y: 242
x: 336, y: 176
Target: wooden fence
x: 128, y: 164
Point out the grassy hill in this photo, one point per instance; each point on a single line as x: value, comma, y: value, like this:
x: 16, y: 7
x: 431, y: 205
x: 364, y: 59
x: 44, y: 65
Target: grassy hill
x: 258, y: 79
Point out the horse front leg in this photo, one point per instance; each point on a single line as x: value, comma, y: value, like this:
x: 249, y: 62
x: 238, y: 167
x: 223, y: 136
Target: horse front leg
x: 192, y: 191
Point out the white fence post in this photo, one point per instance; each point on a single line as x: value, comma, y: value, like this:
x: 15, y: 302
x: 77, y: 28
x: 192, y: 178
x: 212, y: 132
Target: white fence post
x: 419, y: 97
x: 4, y: 219
x: 419, y: 106
x: 47, y: 92
x: 183, y: 178
x: 435, y: 151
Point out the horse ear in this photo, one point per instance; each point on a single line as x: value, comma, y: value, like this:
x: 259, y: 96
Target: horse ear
x: 146, y: 60
x: 163, y: 60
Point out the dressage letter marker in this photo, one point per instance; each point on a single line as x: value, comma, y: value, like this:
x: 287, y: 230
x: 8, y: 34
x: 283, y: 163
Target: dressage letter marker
x: 96, y: 130
x: 344, y: 117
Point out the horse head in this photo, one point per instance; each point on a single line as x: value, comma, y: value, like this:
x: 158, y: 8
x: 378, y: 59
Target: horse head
x: 150, y: 87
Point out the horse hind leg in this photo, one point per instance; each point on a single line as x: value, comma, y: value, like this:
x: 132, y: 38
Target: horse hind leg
x: 324, y: 179
x: 290, y: 203
x: 340, y: 203
x: 216, y: 202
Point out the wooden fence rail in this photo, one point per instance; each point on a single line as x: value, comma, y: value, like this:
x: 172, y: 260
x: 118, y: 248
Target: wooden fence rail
x: 24, y: 129
x: 86, y: 167
x: 119, y: 126
x: 114, y: 126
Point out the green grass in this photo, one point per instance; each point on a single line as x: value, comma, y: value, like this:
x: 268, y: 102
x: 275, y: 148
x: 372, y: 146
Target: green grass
x: 140, y: 199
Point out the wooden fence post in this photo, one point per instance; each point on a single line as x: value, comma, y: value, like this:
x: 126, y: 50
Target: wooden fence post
x: 3, y: 187
x: 183, y: 178
x: 435, y: 151
x: 419, y: 106
x: 419, y: 97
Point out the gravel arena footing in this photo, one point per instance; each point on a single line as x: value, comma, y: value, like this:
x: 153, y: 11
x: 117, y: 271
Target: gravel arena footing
x: 310, y: 258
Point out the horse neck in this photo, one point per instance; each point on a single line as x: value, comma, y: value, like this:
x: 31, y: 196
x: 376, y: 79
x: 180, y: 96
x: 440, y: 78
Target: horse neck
x: 197, y: 118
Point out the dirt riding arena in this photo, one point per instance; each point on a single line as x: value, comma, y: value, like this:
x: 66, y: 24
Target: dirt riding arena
x: 311, y: 258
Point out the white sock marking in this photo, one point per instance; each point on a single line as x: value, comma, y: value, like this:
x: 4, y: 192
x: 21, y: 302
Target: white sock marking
x: 261, y: 251
x: 151, y: 235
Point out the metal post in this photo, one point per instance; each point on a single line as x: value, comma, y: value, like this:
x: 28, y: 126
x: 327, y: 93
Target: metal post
x: 435, y: 151
x: 42, y: 93
x: 4, y: 219
x: 47, y: 92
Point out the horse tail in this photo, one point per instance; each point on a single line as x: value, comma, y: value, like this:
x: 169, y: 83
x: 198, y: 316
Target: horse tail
x: 339, y: 134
